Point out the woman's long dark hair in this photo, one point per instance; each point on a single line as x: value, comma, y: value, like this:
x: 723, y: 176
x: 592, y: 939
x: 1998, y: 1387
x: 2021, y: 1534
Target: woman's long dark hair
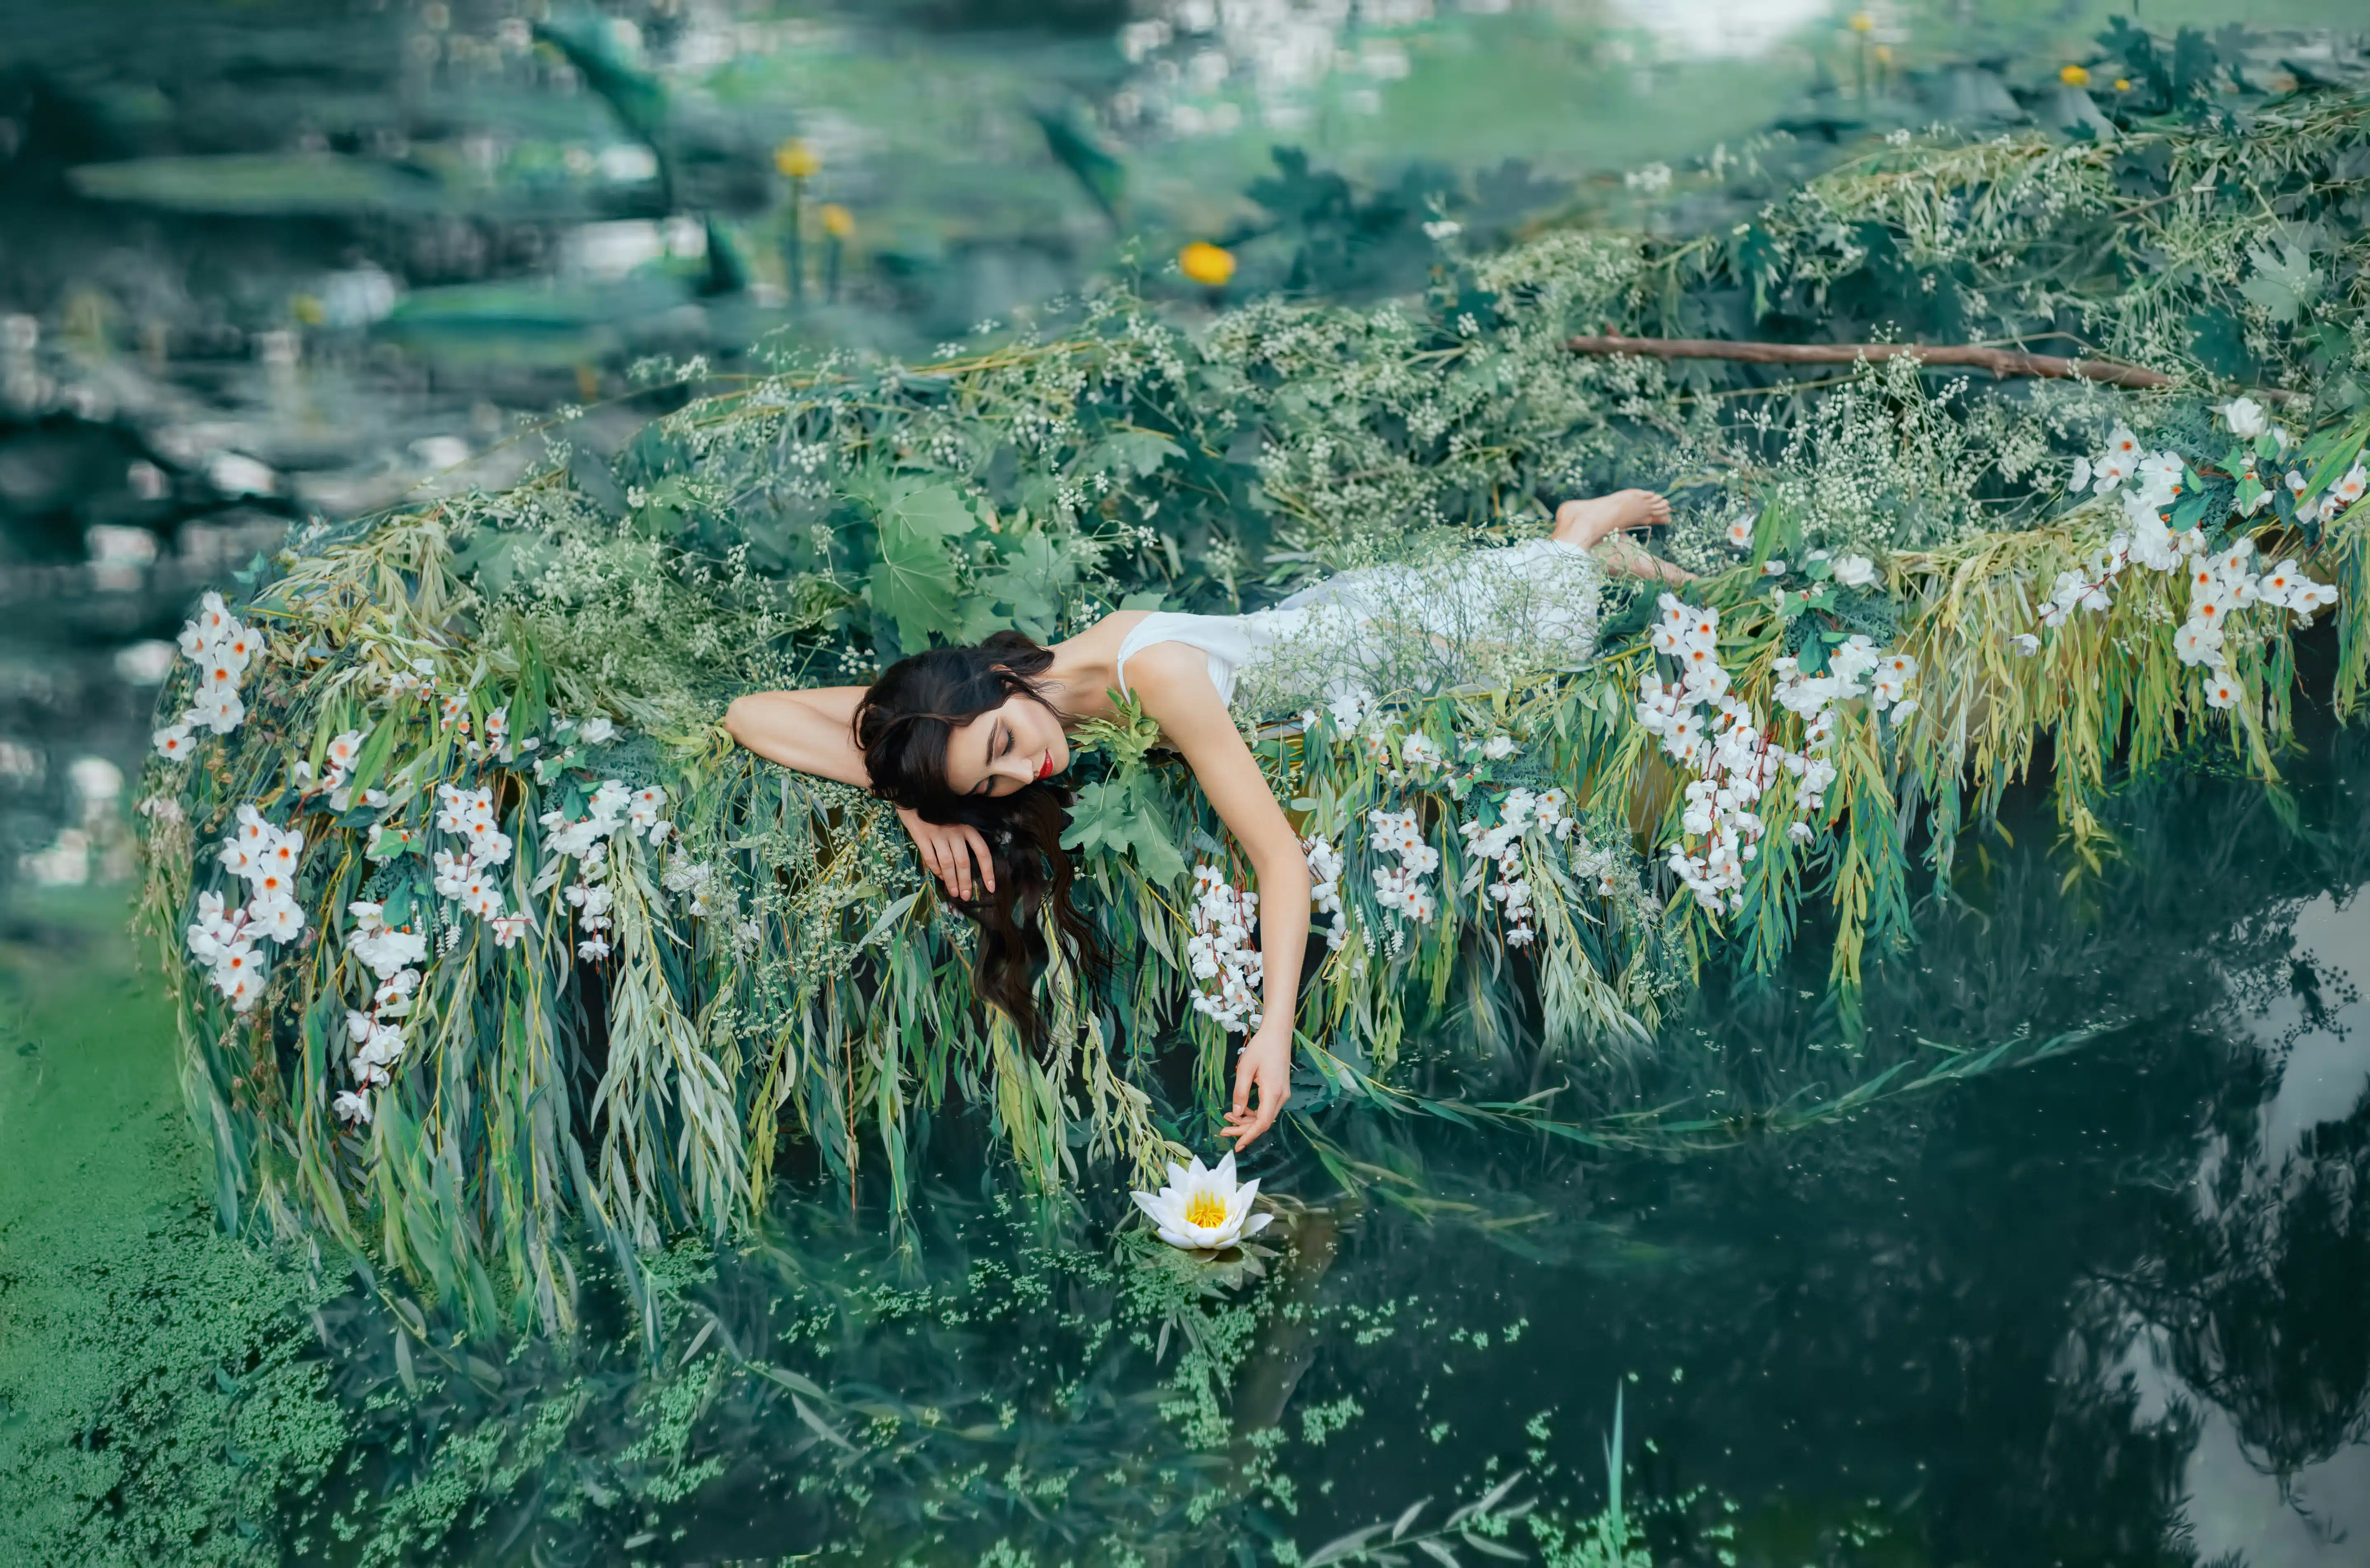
x: 903, y: 725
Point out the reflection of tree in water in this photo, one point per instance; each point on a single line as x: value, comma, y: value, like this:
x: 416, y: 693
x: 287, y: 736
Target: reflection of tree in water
x: 2255, y: 1283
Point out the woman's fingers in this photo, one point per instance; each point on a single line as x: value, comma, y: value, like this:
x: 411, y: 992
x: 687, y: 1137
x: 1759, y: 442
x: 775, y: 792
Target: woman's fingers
x: 1246, y: 1131
x: 957, y: 855
x: 977, y: 843
x: 936, y: 857
x: 1243, y: 1125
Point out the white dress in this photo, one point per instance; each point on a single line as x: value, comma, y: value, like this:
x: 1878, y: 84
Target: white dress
x: 1476, y: 617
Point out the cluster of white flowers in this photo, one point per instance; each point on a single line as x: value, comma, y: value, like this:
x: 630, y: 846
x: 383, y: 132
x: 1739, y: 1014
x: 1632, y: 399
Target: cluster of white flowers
x: 469, y: 878
x: 1421, y: 753
x: 2248, y: 420
x: 586, y: 841
x: 2227, y: 581
x: 1325, y: 886
x: 393, y: 955
x: 698, y: 877
x: 2219, y: 584
x: 387, y: 950
x: 418, y: 679
x: 613, y: 806
x: 590, y: 895
x: 223, y: 941
x: 1857, y: 669
x: 1734, y: 759
x: 496, y: 743
x: 1401, y: 888
x: 1520, y: 813
x: 222, y: 648
x: 1226, y: 963
x: 1850, y: 570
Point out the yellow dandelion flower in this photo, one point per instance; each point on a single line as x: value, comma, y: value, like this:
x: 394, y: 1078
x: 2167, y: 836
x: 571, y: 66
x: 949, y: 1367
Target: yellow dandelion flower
x: 2122, y: 83
x: 1884, y: 54
x: 1862, y: 22
x: 2075, y: 77
x: 796, y: 159
x: 305, y: 308
x: 1207, y: 264
x: 837, y: 221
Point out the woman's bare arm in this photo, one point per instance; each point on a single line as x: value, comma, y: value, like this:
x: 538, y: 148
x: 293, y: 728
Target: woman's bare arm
x: 814, y: 731
x: 1172, y: 680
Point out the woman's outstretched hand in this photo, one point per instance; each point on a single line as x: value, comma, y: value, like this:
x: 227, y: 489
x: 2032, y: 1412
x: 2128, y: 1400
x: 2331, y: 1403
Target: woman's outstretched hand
x: 955, y: 855
x: 1265, y: 1065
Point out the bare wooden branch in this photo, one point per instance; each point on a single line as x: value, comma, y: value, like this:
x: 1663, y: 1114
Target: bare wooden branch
x: 2002, y: 363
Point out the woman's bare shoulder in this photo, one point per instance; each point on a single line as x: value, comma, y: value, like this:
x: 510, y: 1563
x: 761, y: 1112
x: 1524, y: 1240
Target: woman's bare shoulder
x: 1106, y: 635
x: 1164, y: 663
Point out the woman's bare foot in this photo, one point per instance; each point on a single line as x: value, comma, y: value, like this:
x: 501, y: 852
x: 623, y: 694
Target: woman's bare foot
x: 1587, y: 523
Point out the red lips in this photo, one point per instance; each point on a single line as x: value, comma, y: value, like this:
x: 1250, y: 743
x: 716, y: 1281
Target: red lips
x: 1045, y: 768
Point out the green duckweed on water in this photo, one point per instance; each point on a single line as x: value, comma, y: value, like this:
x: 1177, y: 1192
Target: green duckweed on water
x: 160, y: 1404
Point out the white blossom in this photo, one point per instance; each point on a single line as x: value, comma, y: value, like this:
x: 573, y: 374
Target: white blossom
x: 1225, y: 965
x: 1204, y: 1210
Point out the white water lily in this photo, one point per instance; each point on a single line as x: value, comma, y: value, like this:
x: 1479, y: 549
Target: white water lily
x: 1201, y: 1210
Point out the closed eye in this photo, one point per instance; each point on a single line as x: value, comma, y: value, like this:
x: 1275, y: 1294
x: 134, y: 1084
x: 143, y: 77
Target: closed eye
x: 983, y: 786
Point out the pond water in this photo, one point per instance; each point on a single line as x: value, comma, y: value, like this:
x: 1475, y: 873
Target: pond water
x: 2080, y: 1283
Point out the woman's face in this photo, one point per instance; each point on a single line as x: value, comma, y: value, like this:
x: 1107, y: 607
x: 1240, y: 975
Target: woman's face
x: 1007, y: 748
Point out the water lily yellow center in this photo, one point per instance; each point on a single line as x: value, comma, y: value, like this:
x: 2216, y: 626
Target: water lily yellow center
x: 1205, y: 1209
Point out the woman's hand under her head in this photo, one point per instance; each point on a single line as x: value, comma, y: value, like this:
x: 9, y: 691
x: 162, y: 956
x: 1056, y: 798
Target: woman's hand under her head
x: 1265, y: 1064
x: 957, y: 856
